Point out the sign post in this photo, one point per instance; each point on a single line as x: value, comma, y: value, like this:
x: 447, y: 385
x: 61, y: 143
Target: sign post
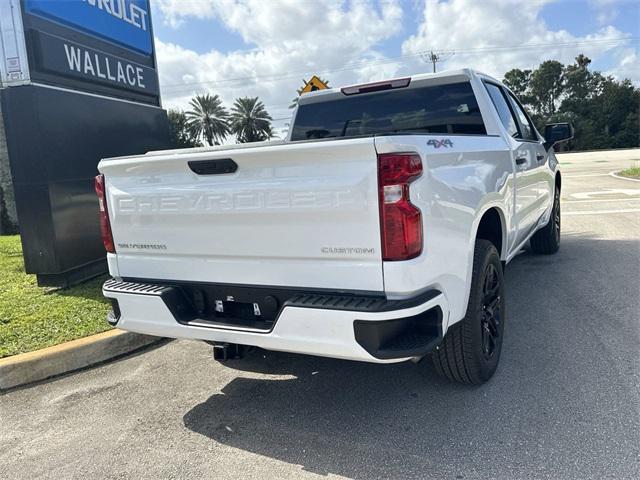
x: 78, y: 83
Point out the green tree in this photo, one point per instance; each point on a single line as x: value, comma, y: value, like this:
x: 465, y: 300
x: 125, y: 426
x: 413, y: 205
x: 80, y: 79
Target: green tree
x: 181, y: 135
x: 518, y: 81
x: 546, y: 86
x: 208, y: 118
x: 618, y: 108
x: 579, y: 81
x: 250, y: 121
x: 604, y: 111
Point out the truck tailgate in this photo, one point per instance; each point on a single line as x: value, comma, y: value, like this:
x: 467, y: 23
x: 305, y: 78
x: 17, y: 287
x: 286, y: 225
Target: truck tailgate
x: 298, y: 215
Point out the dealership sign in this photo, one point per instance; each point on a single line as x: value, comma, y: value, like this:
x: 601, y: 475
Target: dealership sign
x: 77, y: 61
x: 97, y: 46
x: 125, y: 22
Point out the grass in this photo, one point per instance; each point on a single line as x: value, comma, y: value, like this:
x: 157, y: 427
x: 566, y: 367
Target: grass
x: 633, y: 172
x: 32, y: 317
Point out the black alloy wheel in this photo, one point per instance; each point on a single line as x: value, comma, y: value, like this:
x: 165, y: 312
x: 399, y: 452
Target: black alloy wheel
x: 491, y: 312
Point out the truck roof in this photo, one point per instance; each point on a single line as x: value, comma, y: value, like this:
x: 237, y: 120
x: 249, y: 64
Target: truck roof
x: 415, y: 81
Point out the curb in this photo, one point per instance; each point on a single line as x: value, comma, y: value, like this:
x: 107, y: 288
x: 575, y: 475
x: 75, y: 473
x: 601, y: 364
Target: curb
x: 67, y: 357
x: 614, y: 174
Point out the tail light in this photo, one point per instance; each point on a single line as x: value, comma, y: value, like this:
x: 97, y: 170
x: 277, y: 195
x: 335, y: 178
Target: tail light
x: 400, y: 221
x: 105, y: 226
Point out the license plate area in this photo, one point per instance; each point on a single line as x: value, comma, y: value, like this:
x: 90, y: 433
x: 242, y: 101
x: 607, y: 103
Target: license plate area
x: 232, y: 308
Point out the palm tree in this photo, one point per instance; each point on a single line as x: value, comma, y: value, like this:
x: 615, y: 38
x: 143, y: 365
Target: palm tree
x: 250, y: 121
x: 181, y: 134
x: 208, y: 118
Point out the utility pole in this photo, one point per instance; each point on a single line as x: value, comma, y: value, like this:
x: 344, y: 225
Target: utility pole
x: 435, y: 57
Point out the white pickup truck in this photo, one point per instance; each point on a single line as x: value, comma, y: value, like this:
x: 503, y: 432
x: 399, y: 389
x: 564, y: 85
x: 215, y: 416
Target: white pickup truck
x: 378, y: 231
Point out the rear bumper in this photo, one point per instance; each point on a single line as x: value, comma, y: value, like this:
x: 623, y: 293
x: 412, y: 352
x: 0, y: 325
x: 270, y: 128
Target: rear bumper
x: 337, y: 326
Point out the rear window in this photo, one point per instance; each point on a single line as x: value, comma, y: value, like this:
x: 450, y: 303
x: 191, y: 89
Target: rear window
x: 442, y: 109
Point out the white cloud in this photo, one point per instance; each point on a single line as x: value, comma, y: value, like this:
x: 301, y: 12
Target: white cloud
x: 293, y: 23
x: 175, y: 11
x: 604, y: 10
x: 627, y: 65
x: 605, y: 17
x: 291, y: 38
x: 473, y: 28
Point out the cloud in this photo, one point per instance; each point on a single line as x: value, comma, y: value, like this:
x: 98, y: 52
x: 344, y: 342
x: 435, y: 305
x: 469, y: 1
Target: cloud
x: 604, y: 10
x: 293, y: 24
x: 176, y: 11
x: 473, y: 29
x: 627, y: 65
x: 291, y: 38
x: 606, y: 16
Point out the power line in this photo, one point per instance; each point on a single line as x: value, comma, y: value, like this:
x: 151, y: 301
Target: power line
x: 177, y: 87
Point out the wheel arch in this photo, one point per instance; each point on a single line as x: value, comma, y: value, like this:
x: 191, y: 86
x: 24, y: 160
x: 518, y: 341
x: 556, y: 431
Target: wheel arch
x: 490, y: 224
x: 492, y: 227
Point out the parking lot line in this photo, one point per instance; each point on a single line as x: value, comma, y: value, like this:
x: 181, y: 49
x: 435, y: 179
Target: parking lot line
x: 603, y: 200
x: 608, y: 212
x: 587, y: 175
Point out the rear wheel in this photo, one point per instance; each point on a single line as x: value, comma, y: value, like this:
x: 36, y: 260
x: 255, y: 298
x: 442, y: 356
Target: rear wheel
x: 547, y: 239
x: 471, y: 348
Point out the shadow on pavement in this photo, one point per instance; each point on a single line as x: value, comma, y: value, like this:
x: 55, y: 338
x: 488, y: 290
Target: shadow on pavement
x: 563, y: 403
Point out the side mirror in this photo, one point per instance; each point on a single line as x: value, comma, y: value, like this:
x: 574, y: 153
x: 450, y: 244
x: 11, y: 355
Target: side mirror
x: 557, y: 132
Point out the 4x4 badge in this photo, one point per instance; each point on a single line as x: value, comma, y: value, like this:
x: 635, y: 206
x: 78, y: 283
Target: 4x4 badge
x: 437, y: 143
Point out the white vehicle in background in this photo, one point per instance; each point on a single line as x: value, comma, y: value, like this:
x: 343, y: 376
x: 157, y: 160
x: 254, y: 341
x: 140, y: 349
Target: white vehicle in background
x: 377, y: 232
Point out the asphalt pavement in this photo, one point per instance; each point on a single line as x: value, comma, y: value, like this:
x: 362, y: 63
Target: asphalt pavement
x: 564, y: 403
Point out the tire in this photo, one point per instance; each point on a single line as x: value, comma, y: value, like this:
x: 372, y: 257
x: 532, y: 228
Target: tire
x: 470, y: 351
x: 547, y: 239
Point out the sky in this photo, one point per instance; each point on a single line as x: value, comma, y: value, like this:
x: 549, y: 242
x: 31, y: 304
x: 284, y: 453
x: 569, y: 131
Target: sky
x: 266, y: 48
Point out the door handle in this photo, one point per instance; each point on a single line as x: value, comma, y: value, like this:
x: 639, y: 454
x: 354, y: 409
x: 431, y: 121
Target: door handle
x: 539, y: 157
x: 521, y: 160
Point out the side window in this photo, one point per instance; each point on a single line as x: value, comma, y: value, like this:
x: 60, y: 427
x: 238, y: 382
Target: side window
x: 528, y: 132
x: 504, y: 112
